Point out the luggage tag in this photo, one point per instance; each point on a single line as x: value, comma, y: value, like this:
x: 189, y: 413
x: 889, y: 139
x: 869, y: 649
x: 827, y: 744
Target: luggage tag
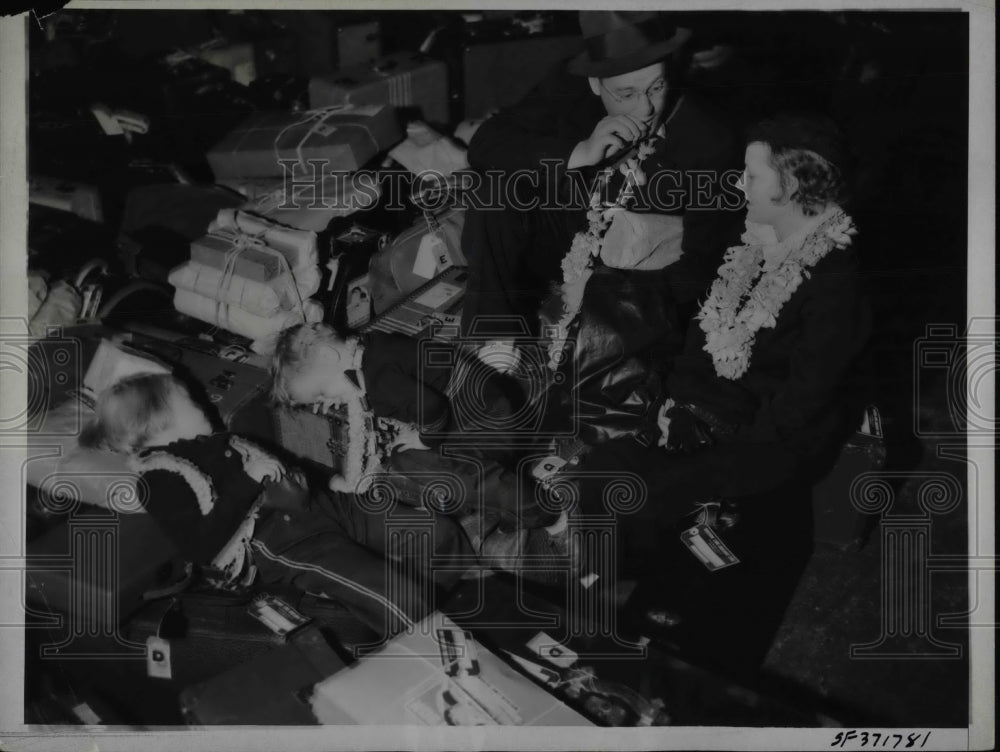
x: 86, y: 714
x: 432, y: 256
x: 548, y: 467
x: 705, y: 543
x: 554, y: 652
x: 458, y: 652
x: 158, y: 664
x: 158, y: 658
x: 276, y: 615
x: 91, y: 295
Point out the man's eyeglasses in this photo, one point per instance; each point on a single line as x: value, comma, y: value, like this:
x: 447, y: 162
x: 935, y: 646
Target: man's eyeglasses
x: 656, y: 89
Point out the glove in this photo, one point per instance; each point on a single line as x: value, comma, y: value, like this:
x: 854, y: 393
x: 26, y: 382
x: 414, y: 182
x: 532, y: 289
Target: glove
x: 683, y: 433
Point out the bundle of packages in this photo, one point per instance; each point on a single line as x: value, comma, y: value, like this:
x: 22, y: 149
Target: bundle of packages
x: 300, y: 168
x: 251, y: 277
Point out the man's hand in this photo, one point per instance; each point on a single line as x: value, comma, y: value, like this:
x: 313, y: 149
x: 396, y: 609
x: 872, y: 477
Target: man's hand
x: 682, y: 431
x: 612, y: 134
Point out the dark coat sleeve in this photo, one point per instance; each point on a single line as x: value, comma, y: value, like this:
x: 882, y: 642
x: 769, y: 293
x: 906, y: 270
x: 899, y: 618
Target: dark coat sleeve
x: 172, y: 502
x: 834, y: 324
x: 400, y: 387
x: 173, y: 505
x: 783, y: 428
x: 546, y: 125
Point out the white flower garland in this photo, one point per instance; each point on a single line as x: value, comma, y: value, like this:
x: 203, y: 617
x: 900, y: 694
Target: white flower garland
x: 578, y: 263
x: 730, y: 331
x: 368, y: 437
x: 361, y: 457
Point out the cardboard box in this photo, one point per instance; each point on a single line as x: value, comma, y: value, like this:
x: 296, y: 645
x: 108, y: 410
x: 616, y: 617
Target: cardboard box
x: 407, y: 80
x: 345, y: 138
x: 437, y: 675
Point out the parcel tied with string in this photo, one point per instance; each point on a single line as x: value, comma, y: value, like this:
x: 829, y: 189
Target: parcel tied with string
x: 344, y: 137
x: 250, y: 276
x: 260, y: 250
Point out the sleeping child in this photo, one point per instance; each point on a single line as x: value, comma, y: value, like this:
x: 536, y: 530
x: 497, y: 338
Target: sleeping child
x: 205, y: 491
x: 314, y: 365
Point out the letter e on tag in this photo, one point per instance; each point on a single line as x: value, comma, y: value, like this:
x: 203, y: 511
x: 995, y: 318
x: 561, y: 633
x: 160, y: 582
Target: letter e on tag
x: 158, y: 658
x: 426, y: 262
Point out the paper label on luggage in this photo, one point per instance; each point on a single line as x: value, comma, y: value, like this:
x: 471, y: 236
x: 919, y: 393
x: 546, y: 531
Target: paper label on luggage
x: 706, y: 545
x: 458, y: 652
x: 547, y: 467
x: 439, y: 296
x: 86, y: 714
x: 158, y: 658
x: 276, y: 615
x: 553, y: 651
x: 425, y: 264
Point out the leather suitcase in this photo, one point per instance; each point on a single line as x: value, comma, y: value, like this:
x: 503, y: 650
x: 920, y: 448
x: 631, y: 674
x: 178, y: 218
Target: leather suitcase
x: 270, y: 690
x: 206, y: 635
x: 359, y: 44
x: 499, y: 74
x: 235, y: 385
x: 391, y: 272
x: 93, y: 570
x: 413, y: 83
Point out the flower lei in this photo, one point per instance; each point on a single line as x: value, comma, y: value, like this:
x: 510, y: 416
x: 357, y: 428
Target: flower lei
x: 731, y: 329
x: 578, y: 263
x: 368, y: 438
x: 361, y: 456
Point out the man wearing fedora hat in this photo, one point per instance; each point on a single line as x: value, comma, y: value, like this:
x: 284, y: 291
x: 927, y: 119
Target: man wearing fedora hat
x: 622, y: 87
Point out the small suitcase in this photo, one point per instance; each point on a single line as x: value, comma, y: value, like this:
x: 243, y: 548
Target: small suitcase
x: 319, y: 439
x: 393, y: 273
x: 269, y: 690
x: 409, y: 81
x: 236, y: 388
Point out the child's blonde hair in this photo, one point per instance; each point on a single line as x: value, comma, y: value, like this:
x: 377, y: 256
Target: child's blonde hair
x: 292, y: 352
x: 132, y: 410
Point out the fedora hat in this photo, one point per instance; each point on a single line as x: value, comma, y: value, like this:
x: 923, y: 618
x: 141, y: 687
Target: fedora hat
x: 616, y: 42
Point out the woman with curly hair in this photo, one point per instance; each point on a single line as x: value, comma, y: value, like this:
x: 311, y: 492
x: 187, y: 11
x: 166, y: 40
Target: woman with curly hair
x: 757, y: 404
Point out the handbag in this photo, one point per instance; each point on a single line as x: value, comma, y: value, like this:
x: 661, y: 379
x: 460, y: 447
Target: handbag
x: 623, y: 341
